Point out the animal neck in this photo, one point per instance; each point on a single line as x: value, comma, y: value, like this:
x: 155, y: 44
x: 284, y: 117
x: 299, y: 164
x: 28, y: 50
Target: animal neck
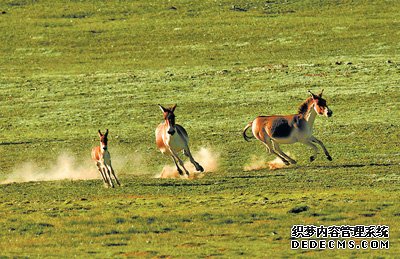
x: 166, y: 123
x: 310, y: 117
x: 306, y: 110
x: 102, y: 150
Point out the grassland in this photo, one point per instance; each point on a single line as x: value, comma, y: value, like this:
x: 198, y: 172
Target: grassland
x: 68, y: 68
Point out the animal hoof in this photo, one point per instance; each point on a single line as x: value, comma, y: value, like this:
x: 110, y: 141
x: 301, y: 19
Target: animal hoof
x: 293, y: 162
x: 286, y: 162
x: 329, y: 158
x: 180, y: 172
x: 200, y: 168
x: 312, y: 158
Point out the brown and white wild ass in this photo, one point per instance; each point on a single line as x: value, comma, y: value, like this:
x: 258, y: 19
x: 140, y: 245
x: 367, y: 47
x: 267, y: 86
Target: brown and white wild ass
x: 102, y: 158
x: 288, y: 129
x: 172, y: 138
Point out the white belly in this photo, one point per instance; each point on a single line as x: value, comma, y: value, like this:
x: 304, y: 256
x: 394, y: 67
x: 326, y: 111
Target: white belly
x: 175, y: 142
x: 296, y: 136
x: 106, y: 158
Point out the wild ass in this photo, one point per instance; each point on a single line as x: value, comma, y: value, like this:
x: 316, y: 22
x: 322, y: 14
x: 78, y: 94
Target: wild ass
x: 288, y: 129
x: 102, y: 158
x: 172, y: 138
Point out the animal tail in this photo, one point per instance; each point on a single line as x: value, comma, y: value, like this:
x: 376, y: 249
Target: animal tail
x: 247, y: 138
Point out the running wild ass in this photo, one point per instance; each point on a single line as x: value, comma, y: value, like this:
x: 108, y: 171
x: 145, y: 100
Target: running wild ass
x: 102, y: 158
x: 288, y: 129
x: 172, y: 138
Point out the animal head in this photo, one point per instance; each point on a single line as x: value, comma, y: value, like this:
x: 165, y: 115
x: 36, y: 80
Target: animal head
x: 103, y: 139
x: 169, y: 118
x: 320, y: 105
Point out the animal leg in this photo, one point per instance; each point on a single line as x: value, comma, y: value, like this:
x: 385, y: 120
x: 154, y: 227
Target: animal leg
x: 278, y: 150
x: 113, y: 173
x: 271, y: 150
x: 314, y: 147
x: 104, y: 172
x: 187, y: 153
x: 108, y: 175
x: 175, y: 155
x: 101, y: 172
x: 319, y: 142
x: 177, y: 167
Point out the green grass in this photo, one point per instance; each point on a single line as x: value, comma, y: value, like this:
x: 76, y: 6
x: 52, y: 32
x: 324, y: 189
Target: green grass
x: 69, y: 68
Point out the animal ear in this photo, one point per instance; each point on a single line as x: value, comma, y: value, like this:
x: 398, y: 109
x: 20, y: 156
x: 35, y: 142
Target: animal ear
x: 100, y: 135
x: 162, y: 108
x: 312, y: 95
x: 173, y: 108
x: 106, y: 134
x: 320, y: 94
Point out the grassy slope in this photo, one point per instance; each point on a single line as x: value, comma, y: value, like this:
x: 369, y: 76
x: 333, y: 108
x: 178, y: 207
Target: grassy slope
x: 69, y: 68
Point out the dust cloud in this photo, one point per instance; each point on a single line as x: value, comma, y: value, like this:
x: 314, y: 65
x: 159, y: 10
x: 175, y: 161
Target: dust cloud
x: 206, y: 157
x: 65, y: 167
x: 257, y: 163
x: 131, y: 163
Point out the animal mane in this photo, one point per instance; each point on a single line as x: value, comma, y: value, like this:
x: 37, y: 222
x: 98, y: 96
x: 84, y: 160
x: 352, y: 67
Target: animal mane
x: 303, y: 108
